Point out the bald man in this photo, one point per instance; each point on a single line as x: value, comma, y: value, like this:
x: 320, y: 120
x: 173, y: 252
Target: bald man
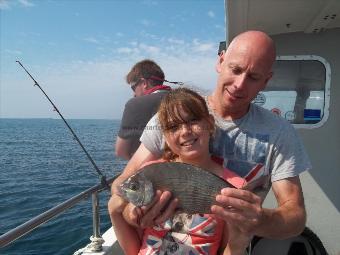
x: 259, y: 146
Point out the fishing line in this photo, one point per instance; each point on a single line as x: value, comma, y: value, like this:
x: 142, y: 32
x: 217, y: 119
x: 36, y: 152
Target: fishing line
x: 102, y: 177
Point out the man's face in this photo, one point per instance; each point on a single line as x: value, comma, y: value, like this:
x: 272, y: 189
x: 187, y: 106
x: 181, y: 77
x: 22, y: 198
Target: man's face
x: 243, y: 72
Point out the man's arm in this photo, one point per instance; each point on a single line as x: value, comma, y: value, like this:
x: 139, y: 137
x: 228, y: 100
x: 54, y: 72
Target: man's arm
x: 290, y: 214
x: 123, y: 148
x: 243, y: 208
x: 129, y: 130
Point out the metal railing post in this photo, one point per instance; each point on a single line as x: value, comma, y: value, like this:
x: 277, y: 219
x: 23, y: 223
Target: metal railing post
x: 96, y: 239
x: 95, y: 215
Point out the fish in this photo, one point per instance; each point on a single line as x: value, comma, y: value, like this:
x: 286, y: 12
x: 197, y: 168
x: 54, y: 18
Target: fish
x: 195, y: 188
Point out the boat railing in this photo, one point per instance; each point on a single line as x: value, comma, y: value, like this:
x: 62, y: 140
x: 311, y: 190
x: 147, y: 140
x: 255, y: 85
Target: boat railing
x: 35, y: 222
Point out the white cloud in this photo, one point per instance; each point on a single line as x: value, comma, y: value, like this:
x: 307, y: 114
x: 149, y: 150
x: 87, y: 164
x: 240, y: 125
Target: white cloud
x: 203, y: 47
x: 99, y: 86
x: 13, y: 52
x: 4, y: 5
x: 26, y: 3
x: 52, y: 44
x: 175, y: 41
x: 150, y: 3
x: 91, y: 40
x: 139, y: 48
x: 29, y: 33
x: 149, y: 49
x: 211, y: 14
x: 173, y: 47
x: 219, y: 27
x: 127, y: 50
x: 145, y: 22
x: 148, y: 35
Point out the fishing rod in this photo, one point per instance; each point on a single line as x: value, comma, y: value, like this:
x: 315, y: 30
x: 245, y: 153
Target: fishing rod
x: 102, y: 177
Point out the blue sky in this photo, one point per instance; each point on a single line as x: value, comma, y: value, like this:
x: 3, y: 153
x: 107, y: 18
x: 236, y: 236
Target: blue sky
x: 81, y: 50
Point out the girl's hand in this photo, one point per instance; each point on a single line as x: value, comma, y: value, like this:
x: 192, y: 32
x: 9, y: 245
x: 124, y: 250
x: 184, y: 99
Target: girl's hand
x: 116, y: 204
x: 161, y: 209
x: 132, y: 215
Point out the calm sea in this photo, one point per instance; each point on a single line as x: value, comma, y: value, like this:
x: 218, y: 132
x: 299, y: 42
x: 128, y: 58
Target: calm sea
x: 41, y: 165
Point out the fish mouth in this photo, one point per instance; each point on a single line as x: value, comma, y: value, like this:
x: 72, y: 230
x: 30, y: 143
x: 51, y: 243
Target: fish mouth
x: 189, y: 142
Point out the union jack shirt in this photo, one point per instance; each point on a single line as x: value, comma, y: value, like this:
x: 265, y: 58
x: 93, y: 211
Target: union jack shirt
x: 184, y: 234
x: 187, y: 234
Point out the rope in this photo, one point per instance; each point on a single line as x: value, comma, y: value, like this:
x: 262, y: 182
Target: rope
x: 94, y: 246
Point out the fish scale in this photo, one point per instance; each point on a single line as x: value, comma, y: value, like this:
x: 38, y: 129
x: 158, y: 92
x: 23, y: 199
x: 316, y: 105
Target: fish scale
x: 195, y: 187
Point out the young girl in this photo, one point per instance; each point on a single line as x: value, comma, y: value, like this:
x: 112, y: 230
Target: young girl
x: 187, y: 126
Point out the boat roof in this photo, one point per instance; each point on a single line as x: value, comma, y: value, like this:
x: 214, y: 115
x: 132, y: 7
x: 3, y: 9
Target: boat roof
x: 278, y: 17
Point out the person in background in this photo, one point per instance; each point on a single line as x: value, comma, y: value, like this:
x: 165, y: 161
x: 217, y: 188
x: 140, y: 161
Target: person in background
x: 146, y: 81
x: 250, y: 140
x: 187, y: 126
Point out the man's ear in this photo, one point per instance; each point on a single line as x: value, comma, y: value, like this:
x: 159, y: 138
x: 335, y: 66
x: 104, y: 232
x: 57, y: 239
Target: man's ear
x: 219, y: 61
x: 145, y: 84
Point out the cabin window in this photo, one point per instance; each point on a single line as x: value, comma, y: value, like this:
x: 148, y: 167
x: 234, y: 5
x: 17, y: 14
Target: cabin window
x: 299, y: 90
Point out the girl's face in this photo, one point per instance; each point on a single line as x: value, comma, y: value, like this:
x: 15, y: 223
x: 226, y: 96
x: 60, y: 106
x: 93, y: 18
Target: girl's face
x: 189, y: 139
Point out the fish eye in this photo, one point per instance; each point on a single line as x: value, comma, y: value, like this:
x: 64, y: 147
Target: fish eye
x: 134, y: 186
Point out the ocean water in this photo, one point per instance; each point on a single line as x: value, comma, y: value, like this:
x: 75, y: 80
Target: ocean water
x: 41, y: 165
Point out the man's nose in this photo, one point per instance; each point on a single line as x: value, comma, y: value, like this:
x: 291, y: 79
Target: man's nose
x: 240, y: 81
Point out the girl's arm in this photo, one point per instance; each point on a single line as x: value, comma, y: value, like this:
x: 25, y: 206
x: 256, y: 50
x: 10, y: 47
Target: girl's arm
x: 126, y: 234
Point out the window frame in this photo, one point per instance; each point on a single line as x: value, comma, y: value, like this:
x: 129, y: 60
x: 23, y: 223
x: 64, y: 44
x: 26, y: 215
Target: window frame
x: 327, y: 87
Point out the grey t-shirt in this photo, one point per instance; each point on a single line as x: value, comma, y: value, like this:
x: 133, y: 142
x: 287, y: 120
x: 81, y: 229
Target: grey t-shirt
x: 137, y: 112
x: 260, y: 146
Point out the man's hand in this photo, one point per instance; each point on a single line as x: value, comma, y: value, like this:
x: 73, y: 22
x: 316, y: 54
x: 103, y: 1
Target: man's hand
x: 157, y: 212
x: 241, y: 207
